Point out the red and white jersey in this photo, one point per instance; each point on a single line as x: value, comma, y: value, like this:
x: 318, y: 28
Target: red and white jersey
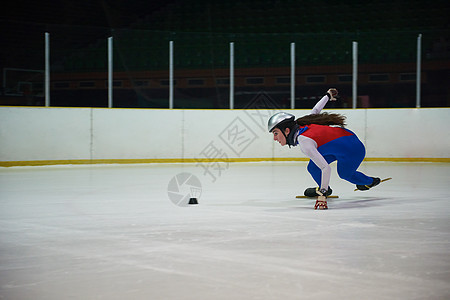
x: 323, y: 134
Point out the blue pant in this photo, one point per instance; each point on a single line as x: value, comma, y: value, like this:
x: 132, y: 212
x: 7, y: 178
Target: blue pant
x: 349, y: 152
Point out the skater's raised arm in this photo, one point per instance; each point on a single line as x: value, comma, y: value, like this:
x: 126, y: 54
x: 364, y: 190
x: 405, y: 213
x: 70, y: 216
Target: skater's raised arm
x: 330, y: 96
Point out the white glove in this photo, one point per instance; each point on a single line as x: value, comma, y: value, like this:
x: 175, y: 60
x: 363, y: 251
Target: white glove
x: 321, y: 202
x: 332, y: 94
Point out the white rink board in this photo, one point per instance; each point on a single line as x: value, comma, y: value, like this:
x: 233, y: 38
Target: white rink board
x: 134, y: 134
x: 30, y: 134
x: 408, y: 133
x: 44, y: 134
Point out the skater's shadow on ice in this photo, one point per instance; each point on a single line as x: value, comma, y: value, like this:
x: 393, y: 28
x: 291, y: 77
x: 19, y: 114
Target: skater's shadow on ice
x: 360, y: 203
x: 342, y: 203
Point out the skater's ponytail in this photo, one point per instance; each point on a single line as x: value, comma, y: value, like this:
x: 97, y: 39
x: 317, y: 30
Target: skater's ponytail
x: 322, y: 119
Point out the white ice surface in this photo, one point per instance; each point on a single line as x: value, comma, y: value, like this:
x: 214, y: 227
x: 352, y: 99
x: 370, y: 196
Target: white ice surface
x: 111, y: 232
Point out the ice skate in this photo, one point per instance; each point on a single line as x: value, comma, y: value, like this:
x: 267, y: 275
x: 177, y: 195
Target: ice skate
x: 376, y: 181
x: 312, y: 192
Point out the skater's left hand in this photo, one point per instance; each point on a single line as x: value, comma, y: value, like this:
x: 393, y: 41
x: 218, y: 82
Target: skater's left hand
x: 321, y: 202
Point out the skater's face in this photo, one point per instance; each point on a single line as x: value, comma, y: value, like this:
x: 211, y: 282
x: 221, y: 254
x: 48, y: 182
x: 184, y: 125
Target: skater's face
x: 279, y: 137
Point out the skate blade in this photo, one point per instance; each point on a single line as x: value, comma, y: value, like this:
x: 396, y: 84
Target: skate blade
x: 306, y: 197
x: 383, y: 180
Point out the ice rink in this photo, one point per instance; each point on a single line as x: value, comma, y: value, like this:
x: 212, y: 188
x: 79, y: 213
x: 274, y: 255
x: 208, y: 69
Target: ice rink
x: 119, y: 232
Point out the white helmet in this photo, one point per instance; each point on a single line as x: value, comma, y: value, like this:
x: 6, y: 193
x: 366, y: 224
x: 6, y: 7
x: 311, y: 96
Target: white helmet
x: 278, y: 119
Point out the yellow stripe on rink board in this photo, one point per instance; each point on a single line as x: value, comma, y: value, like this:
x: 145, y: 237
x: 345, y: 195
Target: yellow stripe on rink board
x: 199, y: 160
x: 138, y: 161
x: 409, y: 159
x: 92, y: 161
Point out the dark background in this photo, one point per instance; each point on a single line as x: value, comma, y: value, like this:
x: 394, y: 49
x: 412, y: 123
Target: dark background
x: 322, y: 30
